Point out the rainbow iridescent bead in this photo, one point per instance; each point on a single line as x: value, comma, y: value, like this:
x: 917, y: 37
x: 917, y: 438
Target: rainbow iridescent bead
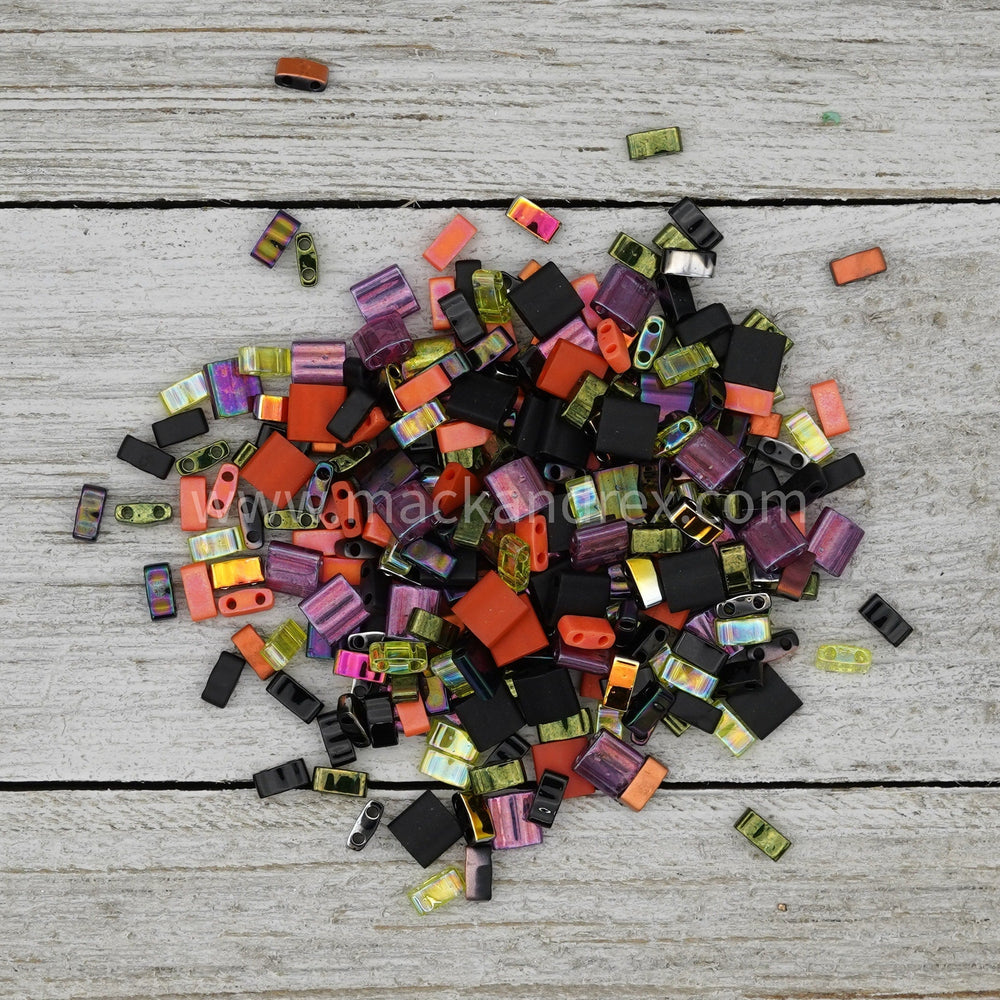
x: 808, y: 437
x: 185, y: 394
x: 436, y: 891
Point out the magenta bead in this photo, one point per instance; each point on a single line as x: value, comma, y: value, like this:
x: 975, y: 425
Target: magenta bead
x: 230, y: 393
x: 773, y: 539
x: 319, y: 362
x: 518, y: 488
x: 404, y: 598
x: 291, y: 569
x: 576, y: 332
x: 356, y: 666
x: 382, y: 341
x: 675, y: 397
x: 599, y: 545
x: 609, y: 764
x: 509, y: 813
x: 389, y: 473
x: 624, y: 296
x: 833, y: 540
x: 710, y: 459
x: 385, y: 292
x: 335, y: 609
x: 408, y: 510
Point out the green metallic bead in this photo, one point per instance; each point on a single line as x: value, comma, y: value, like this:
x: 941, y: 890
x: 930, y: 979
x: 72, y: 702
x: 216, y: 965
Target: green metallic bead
x: 687, y: 677
x: 514, y: 562
x: 625, y: 385
x: 648, y: 344
x: 306, y: 259
x: 618, y: 492
x: 684, y: 363
x: 476, y: 515
x: 671, y: 238
x: 244, y: 453
x: 490, y: 297
x: 759, y: 321
x: 339, y: 781
x: 405, y: 687
x: 452, y: 740
x: 143, y: 513
x: 580, y: 407
x: 733, y: 733
x: 435, y: 694
x: 762, y: 835
x: 490, y: 348
x: 610, y: 720
x: 350, y: 458
x: 735, y: 569
x: 436, y: 891
x: 779, y: 394
x: 584, y: 505
x: 393, y: 563
x: 443, y: 667
x: 672, y: 438
x: 186, y: 394
x: 653, y: 142
x: 426, y: 352
x: 811, y: 591
x: 203, y: 458
x: 644, y: 581
x: 414, y: 425
x: 284, y: 643
x: 432, y: 628
x: 468, y: 458
x: 497, y: 777
x: 635, y: 255
x: 844, y: 659
x: 676, y: 726
x: 656, y: 541
x: 398, y: 656
x: 580, y: 724
x: 291, y: 520
x: 265, y: 361
x: 215, y: 544
x: 441, y: 767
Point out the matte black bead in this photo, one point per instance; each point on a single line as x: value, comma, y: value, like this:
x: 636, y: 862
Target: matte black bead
x: 479, y: 872
x: 648, y: 707
x: 145, y: 457
x: 283, y: 778
x: 764, y: 709
x: 562, y: 527
x: 351, y: 414
x: 512, y: 748
x: 676, y: 299
x: 548, y: 798
x: 294, y: 696
x: 480, y: 400
x: 339, y: 747
x: 754, y: 358
x: 180, y: 427
x: 886, y: 619
x: 463, y: 317
x: 691, y: 580
x: 426, y: 829
x: 464, y: 269
x: 627, y: 428
x: 711, y: 325
x: 223, y: 679
x: 491, y: 721
x: 465, y: 573
x: 694, y: 224
x: 546, y: 301
x: 577, y: 593
x: 540, y: 432
x: 545, y: 694
x: 841, y: 472
x: 704, y: 655
x: 381, y: 721
x: 695, y: 712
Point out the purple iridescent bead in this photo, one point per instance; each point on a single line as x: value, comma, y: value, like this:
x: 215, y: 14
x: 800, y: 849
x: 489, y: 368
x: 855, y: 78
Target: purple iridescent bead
x: 773, y: 539
x: 674, y: 398
x: 509, y: 813
x: 710, y: 459
x: 335, y: 609
x: 383, y: 340
x: 408, y: 510
x: 318, y: 362
x: 389, y: 473
x: 587, y: 661
x: 403, y: 599
x: 609, y: 764
x: 518, y: 488
x: 385, y: 292
x: 576, y: 332
x: 833, y: 539
x: 291, y: 569
x: 230, y: 392
x: 599, y: 545
x: 625, y: 297
x: 317, y: 648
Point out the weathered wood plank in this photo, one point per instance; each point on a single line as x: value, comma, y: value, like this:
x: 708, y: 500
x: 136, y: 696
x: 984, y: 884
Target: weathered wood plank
x: 150, y: 101
x: 102, y: 309
x: 175, y: 895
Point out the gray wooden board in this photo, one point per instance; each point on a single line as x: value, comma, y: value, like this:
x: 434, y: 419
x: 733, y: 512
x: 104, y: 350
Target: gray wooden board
x: 887, y: 893
x: 176, y: 100
x: 104, y: 308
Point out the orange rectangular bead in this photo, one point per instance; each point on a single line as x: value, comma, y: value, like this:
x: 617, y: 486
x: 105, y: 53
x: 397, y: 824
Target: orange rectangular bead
x: 311, y: 408
x: 566, y: 365
x: 349, y: 569
x: 318, y: 540
x: 194, y: 503
x: 586, y: 287
x: 249, y: 642
x: 856, y: 266
x: 644, y: 784
x: 449, y: 242
x: 798, y: 518
x: 458, y: 434
x: 198, y: 591
x: 535, y: 531
x: 413, y: 717
x: 246, y: 602
x: 830, y: 408
x: 747, y: 399
x: 377, y: 531
x: 768, y: 427
x: 422, y: 388
x: 529, y: 269
x: 663, y: 614
x: 590, y: 687
x: 438, y: 288
x: 371, y: 427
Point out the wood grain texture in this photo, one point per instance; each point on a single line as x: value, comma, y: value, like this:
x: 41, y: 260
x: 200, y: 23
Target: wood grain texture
x: 887, y: 894
x: 104, y: 308
x: 176, y: 100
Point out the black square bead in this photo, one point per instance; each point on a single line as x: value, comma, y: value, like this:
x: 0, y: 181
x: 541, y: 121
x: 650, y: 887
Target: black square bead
x: 426, y: 829
x: 480, y: 400
x: 711, y: 325
x: 546, y: 301
x: 545, y: 694
x: 627, y: 428
x: 691, y: 580
x: 145, y: 457
x: 695, y: 712
x: 765, y: 708
x: 754, y: 358
x: 490, y: 721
